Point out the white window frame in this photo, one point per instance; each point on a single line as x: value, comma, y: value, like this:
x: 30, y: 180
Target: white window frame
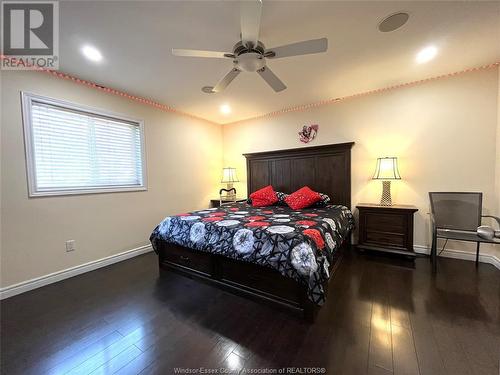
x: 27, y: 100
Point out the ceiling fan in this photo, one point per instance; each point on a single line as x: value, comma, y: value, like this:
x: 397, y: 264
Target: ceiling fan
x: 250, y: 54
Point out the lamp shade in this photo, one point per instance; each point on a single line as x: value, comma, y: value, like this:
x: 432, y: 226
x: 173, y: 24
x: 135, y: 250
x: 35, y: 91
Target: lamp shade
x: 229, y: 175
x: 387, y: 169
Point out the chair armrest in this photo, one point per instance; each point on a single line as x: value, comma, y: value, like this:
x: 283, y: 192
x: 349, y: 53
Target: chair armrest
x: 496, y: 218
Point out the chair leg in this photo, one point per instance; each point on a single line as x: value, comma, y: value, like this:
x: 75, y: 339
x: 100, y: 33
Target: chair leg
x: 434, y: 252
x: 477, y: 253
x: 432, y: 249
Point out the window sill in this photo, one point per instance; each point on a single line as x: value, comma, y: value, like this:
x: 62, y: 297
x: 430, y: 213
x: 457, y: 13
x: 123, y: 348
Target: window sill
x: 117, y: 189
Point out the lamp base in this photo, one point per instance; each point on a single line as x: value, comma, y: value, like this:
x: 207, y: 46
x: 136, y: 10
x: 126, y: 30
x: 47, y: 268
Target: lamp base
x: 230, y: 196
x: 386, y: 199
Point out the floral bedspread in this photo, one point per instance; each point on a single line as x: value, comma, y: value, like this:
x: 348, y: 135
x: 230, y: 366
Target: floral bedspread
x: 299, y: 244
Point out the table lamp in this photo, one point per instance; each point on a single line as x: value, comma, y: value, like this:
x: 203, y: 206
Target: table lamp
x: 387, y: 170
x: 228, y: 177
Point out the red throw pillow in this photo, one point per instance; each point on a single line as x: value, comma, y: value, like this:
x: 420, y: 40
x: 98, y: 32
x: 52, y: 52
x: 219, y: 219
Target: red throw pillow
x: 302, y: 198
x: 264, y: 197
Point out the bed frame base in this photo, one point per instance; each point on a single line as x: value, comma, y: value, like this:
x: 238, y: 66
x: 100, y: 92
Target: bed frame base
x: 245, y: 279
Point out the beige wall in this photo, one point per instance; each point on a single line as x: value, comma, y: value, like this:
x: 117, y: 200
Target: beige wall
x: 184, y: 159
x: 497, y: 190
x: 443, y: 132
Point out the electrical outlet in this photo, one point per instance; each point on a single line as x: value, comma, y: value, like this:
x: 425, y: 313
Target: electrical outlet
x: 70, y: 245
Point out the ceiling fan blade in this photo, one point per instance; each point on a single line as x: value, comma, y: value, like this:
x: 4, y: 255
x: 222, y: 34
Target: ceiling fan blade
x: 226, y: 80
x: 200, y: 53
x: 251, y: 11
x: 271, y: 79
x: 295, y: 49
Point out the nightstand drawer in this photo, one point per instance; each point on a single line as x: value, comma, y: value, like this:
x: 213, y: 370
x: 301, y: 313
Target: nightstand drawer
x: 382, y: 222
x: 384, y: 238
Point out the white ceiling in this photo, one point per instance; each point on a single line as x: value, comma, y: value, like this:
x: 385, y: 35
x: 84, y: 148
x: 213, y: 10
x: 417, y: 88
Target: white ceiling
x: 135, y: 38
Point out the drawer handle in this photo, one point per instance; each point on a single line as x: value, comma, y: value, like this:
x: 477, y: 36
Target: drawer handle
x: 184, y: 258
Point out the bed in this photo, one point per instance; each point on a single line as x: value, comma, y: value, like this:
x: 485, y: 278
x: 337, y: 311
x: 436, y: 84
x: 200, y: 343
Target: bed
x: 274, y: 255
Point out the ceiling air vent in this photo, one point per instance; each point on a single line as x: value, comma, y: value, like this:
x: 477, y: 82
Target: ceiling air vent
x: 208, y: 89
x: 393, y: 22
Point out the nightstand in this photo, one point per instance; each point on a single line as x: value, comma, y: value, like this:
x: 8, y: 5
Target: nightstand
x: 387, y: 229
x: 216, y: 202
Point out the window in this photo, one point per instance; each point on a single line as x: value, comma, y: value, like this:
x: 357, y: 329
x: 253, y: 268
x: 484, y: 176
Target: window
x: 72, y: 149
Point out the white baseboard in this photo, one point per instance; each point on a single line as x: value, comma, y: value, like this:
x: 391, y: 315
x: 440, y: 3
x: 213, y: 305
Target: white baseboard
x: 38, y: 282
x: 459, y: 254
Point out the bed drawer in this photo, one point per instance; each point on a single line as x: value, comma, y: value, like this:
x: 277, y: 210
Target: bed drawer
x: 250, y: 276
x: 192, y: 259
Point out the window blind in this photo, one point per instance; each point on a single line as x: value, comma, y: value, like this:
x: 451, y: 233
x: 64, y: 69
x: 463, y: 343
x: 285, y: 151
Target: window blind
x: 75, y: 150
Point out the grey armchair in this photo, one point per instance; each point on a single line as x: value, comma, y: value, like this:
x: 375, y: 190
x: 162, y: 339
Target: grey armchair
x: 456, y: 216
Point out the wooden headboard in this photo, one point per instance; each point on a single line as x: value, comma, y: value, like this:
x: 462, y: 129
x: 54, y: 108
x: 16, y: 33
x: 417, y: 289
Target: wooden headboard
x: 326, y: 169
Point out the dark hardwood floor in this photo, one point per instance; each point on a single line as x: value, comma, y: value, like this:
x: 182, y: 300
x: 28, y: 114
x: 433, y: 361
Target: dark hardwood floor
x: 382, y: 316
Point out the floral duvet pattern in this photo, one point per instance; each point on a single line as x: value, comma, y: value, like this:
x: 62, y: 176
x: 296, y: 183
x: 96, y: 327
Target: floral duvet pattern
x: 299, y: 244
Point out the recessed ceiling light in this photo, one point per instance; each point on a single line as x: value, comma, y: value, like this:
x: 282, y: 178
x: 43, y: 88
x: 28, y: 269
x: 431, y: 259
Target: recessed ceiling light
x: 393, y: 22
x: 426, y: 54
x: 225, y: 109
x: 91, y: 53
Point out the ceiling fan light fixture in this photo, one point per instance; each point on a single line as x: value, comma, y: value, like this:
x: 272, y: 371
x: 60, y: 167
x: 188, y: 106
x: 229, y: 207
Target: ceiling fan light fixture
x: 250, y: 62
x: 393, y: 22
